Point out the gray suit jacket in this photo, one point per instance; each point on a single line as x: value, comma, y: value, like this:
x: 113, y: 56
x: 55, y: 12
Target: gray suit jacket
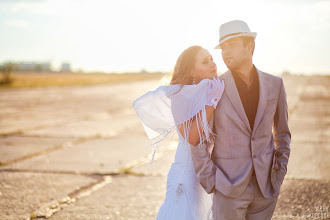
x: 237, y: 149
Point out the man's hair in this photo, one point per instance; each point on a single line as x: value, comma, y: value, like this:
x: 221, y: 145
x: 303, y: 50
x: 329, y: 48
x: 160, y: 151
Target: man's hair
x: 246, y: 41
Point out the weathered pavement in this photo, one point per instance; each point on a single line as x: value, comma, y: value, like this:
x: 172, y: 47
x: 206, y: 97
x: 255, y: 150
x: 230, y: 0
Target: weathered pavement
x: 79, y: 153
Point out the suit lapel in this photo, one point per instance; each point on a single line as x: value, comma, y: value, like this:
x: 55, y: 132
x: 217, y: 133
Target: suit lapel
x: 233, y: 95
x: 263, y: 96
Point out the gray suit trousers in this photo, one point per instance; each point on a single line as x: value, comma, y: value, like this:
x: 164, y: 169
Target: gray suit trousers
x: 250, y: 205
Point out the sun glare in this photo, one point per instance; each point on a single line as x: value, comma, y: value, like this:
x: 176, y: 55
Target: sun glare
x: 133, y: 35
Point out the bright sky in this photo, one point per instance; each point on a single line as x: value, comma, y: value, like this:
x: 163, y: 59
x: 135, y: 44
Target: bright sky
x: 130, y: 35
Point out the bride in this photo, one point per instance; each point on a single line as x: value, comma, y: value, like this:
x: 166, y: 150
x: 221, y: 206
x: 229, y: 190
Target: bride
x: 184, y: 106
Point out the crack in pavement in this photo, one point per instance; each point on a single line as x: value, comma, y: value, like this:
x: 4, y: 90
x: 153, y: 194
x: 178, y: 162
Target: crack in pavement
x: 67, y: 144
x: 46, y: 151
x: 47, y: 210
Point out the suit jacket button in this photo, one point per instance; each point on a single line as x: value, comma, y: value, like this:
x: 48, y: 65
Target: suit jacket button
x: 253, y: 139
x: 254, y: 156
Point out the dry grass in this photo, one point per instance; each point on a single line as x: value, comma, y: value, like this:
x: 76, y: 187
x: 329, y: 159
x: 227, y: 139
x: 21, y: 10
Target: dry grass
x: 27, y: 80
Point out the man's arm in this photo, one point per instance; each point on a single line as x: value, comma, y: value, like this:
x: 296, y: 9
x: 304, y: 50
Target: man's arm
x: 204, y: 166
x: 282, y: 135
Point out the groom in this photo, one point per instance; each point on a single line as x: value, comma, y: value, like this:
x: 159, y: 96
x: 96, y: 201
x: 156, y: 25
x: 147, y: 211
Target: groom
x: 252, y: 143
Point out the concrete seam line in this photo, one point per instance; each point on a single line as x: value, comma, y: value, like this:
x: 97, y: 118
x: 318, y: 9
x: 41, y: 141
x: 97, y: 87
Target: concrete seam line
x: 49, y: 209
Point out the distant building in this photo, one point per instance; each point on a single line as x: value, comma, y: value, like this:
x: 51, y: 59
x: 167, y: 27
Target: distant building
x: 65, y: 67
x: 30, y: 66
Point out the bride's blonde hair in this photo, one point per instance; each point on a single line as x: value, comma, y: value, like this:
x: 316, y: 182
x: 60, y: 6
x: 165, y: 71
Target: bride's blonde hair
x: 184, y: 65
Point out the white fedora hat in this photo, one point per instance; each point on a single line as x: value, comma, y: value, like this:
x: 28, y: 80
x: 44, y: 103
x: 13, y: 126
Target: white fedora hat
x: 233, y: 29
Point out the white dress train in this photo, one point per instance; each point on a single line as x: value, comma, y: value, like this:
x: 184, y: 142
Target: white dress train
x: 185, y: 198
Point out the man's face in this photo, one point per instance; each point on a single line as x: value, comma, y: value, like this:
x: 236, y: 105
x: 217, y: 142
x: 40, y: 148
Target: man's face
x: 234, y: 53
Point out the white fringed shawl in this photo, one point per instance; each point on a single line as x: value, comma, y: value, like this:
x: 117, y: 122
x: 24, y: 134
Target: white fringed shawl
x: 168, y: 107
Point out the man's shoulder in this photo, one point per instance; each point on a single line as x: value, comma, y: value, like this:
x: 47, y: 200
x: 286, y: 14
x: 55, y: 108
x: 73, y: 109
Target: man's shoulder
x: 271, y: 78
x: 224, y: 75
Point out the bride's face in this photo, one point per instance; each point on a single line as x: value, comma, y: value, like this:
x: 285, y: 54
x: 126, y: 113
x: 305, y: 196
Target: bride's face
x: 204, y: 66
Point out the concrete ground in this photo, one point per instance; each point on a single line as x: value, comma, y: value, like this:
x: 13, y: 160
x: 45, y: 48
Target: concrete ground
x: 79, y: 152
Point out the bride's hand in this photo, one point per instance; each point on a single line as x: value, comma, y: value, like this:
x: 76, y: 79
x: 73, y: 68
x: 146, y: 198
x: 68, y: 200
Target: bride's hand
x: 215, y: 90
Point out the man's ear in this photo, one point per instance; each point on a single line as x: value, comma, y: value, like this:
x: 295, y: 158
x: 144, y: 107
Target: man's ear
x: 251, y: 46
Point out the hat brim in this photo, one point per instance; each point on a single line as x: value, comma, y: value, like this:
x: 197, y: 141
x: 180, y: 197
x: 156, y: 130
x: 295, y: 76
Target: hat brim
x: 252, y: 34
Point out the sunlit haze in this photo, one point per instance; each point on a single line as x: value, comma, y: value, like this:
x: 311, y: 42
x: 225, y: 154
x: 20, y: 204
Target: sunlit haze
x: 128, y: 36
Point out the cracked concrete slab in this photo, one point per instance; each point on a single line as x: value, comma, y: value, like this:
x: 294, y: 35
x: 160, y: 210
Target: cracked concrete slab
x: 89, y: 127
x: 100, y: 155
x: 127, y: 197
x: 23, y: 193
x: 16, y: 147
x: 300, y: 199
x: 35, y: 108
x: 310, y: 130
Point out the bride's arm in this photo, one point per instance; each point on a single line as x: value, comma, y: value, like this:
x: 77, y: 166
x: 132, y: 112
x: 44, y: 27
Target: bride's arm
x: 193, y: 137
x: 195, y: 128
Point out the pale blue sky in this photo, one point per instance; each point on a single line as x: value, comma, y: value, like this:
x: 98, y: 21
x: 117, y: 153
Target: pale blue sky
x: 130, y: 35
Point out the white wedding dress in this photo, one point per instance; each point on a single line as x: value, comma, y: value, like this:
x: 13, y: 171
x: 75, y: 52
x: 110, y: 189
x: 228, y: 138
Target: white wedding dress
x: 185, y: 197
x: 160, y: 112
